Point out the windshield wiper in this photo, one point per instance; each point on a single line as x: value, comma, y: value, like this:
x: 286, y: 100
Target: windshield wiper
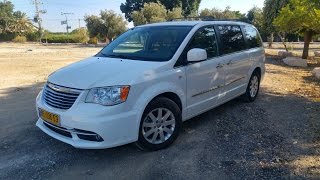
x: 119, y: 56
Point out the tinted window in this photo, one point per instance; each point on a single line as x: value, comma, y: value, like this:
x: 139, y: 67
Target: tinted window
x: 231, y: 38
x: 156, y: 43
x: 252, y: 37
x: 205, y: 38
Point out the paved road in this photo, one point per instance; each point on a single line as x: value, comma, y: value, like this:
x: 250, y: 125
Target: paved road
x: 235, y: 141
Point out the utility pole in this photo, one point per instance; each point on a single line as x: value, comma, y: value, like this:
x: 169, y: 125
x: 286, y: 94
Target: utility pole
x: 66, y: 21
x: 37, y: 18
x: 79, y: 23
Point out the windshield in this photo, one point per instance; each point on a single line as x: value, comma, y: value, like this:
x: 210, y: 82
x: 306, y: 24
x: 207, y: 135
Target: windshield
x: 157, y: 43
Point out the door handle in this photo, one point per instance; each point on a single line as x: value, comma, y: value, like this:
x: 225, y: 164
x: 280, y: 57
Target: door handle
x: 230, y: 62
x: 219, y: 66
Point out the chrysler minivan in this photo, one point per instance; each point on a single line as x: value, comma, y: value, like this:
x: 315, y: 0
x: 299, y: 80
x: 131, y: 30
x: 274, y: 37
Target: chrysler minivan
x: 143, y: 85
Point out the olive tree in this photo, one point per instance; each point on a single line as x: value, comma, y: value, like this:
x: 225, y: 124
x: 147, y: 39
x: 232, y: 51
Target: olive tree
x: 255, y: 17
x: 108, y: 25
x: 271, y: 10
x: 300, y: 16
x: 188, y: 7
x: 222, y: 14
x: 154, y: 12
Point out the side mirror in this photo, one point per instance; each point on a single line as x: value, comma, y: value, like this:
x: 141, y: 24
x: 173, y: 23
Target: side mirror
x: 197, y: 54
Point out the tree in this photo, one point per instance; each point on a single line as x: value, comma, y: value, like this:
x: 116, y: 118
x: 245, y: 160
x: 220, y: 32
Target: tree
x: 108, y: 25
x: 189, y: 7
x: 271, y: 10
x: 114, y: 24
x: 94, y: 25
x: 300, y: 16
x: 20, y: 24
x: 255, y: 17
x: 14, y: 22
x: 175, y: 13
x: 80, y: 35
x: 222, y: 14
x: 150, y: 13
x: 6, y: 14
x: 154, y: 12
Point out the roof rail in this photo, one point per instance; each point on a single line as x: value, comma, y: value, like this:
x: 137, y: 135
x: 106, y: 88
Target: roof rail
x: 202, y: 18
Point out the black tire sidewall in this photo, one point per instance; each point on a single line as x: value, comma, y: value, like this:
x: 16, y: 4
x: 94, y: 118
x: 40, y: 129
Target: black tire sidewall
x: 160, y: 102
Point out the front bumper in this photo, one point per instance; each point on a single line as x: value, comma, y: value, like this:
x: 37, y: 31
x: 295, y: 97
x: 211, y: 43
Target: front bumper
x: 115, y: 126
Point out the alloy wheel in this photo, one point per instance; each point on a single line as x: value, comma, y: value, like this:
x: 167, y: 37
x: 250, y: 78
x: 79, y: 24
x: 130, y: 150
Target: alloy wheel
x: 254, y: 86
x: 158, y: 126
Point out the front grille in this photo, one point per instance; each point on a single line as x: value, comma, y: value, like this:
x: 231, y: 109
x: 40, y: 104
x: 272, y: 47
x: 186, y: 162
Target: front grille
x: 59, y: 97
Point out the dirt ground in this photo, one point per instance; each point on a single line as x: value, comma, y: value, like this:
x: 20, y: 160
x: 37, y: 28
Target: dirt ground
x: 276, y: 137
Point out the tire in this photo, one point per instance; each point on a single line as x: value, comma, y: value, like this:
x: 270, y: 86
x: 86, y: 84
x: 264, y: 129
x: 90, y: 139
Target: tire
x: 156, y: 133
x: 253, y: 87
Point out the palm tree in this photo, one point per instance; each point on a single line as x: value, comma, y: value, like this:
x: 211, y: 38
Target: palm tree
x: 20, y: 24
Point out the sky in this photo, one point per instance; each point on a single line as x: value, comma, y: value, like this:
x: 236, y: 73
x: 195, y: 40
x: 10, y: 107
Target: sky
x: 79, y: 8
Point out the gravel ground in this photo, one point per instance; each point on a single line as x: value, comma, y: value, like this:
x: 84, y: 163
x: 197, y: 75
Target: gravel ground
x: 276, y: 137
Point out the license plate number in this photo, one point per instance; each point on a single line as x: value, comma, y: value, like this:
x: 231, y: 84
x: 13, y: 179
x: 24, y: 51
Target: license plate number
x: 49, y: 117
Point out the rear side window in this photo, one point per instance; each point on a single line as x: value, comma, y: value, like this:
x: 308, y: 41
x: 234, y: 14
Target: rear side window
x: 231, y: 38
x: 252, y: 37
x: 205, y: 38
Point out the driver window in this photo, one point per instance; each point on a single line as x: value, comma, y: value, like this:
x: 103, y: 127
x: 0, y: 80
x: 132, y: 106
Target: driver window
x: 205, y: 38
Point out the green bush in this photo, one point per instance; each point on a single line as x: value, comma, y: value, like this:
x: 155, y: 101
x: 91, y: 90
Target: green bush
x: 20, y: 39
x: 59, y: 38
x: 6, y: 36
x: 93, y: 40
x: 65, y: 38
x: 80, y: 38
x: 80, y: 35
x: 34, y: 36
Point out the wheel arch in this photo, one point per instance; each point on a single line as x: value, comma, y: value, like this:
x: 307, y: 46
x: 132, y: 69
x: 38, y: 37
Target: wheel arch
x: 257, y: 70
x: 172, y: 96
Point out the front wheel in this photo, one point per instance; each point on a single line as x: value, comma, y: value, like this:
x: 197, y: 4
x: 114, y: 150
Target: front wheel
x: 253, y: 87
x: 160, y: 124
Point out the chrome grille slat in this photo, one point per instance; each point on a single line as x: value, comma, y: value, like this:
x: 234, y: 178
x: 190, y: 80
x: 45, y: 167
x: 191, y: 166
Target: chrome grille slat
x: 62, y: 98
x: 56, y: 105
x: 59, y: 93
x: 58, y: 99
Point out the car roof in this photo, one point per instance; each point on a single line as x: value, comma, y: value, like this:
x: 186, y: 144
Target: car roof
x: 193, y: 23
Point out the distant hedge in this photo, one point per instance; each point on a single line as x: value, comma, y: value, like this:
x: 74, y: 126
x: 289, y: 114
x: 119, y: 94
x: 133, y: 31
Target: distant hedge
x: 59, y: 38
x: 7, y: 37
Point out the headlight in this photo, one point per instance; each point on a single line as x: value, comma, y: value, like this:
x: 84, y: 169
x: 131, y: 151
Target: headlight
x: 108, y: 96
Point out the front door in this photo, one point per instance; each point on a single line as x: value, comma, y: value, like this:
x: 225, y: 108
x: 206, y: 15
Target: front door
x: 238, y: 63
x: 206, y: 78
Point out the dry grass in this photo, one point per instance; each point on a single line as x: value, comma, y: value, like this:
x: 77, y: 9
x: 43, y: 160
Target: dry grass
x: 286, y: 80
x: 26, y: 64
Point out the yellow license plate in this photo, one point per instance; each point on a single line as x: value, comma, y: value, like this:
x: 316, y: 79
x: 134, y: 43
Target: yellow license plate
x: 49, y: 117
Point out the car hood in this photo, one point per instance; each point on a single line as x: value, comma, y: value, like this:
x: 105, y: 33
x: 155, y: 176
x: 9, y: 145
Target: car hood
x: 100, y: 72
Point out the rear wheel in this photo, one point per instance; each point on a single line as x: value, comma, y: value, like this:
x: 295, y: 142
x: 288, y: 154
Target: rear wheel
x: 160, y: 124
x: 253, y: 87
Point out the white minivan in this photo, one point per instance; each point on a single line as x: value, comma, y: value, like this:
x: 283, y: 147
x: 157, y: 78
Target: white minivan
x: 143, y: 85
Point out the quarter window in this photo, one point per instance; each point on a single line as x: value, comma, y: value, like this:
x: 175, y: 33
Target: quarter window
x: 252, y: 37
x: 231, y: 38
x: 205, y: 38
